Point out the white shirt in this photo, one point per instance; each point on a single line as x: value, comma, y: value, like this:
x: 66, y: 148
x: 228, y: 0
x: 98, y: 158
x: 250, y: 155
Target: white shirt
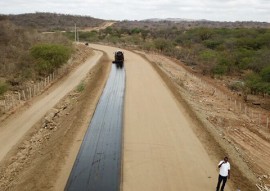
x: 224, y: 169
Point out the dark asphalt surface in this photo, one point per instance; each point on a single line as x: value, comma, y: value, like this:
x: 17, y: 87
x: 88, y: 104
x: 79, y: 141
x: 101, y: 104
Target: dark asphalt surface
x: 98, y: 164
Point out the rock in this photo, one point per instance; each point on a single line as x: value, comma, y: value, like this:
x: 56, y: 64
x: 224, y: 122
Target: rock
x: 44, y: 125
x: 21, y: 147
x: 64, y: 107
x: 256, y: 103
x: 49, y: 118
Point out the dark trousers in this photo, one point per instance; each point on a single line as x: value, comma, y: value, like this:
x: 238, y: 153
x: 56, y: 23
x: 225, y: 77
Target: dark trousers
x: 222, y: 179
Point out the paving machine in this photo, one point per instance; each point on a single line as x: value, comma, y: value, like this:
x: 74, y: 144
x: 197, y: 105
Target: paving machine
x: 119, y: 59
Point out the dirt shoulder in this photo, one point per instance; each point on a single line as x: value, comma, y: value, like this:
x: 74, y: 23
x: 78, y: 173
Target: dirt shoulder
x: 12, y: 129
x: 222, y: 128
x: 37, y: 160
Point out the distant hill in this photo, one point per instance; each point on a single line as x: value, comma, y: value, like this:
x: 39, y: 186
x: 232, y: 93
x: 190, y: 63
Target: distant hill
x: 189, y: 23
x: 53, y: 21
x: 168, y: 19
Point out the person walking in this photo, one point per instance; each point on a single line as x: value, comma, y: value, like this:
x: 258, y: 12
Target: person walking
x: 224, y: 173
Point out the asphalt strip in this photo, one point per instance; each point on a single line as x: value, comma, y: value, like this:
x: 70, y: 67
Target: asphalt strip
x: 98, y: 163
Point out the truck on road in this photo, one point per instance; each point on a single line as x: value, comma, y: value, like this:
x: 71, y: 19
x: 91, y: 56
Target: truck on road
x: 119, y: 59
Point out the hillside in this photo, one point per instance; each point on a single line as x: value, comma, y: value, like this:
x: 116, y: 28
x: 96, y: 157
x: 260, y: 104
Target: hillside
x: 53, y: 21
x: 21, y: 52
x: 187, y: 24
x: 239, y: 54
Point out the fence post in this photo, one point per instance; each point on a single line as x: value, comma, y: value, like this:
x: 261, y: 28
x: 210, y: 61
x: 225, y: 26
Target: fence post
x: 30, y: 93
x: 34, y: 93
x: 24, y: 97
x: 240, y: 107
x: 19, y: 96
x: 4, y: 105
x: 12, y: 101
x: 38, y: 87
x: 259, y: 119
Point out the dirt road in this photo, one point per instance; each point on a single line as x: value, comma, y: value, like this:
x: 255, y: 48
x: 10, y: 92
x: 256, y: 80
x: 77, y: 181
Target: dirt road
x: 103, y: 26
x: 160, y: 150
x: 12, y: 130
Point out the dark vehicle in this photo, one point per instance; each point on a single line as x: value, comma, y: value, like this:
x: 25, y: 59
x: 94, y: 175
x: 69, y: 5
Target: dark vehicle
x: 119, y: 59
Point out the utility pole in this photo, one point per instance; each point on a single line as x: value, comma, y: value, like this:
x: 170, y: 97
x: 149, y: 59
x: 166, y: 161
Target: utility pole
x: 75, y: 32
x: 78, y: 36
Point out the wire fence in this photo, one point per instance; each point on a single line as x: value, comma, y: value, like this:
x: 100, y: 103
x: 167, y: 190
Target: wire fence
x: 17, y: 98
x: 257, y: 116
x: 260, y: 117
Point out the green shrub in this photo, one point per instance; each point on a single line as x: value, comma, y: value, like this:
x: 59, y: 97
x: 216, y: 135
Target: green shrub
x: 220, y: 69
x: 212, y: 44
x: 265, y: 74
x: 80, y: 87
x: 256, y: 83
x: 50, y: 56
x: 3, y: 88
x: 237, y: 86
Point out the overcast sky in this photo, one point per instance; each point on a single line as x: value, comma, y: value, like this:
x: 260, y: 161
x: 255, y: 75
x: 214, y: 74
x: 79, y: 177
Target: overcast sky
x: 216, y: 10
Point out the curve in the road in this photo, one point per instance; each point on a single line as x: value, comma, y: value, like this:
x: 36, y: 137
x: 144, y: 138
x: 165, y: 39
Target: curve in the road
x: 12, y: 130
x: 98, y: 164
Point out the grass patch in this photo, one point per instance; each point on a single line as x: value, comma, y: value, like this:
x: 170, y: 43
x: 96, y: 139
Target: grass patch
x: 80, y: 87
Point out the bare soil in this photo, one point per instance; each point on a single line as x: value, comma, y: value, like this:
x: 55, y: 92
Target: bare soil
x: 35, y: 163
x: 103, y: 26
x: 176, y: 129
x: 224, y: 129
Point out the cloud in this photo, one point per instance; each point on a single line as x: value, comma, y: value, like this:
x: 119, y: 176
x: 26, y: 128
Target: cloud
x: 225, y: 10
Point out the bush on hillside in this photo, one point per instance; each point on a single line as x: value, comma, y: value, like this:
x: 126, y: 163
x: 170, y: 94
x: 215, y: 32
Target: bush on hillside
x: 50, y: 56
x: 3, y: 88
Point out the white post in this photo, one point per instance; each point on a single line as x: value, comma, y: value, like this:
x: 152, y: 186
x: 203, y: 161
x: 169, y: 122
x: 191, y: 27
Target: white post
x: 240, y: 107
x: 75, y: 31
x: 38, y: 87
x: 259, y: 120
x: 30, y: 93
x: 19, y: 96
x: 4, y: 105
x: 34, y: 93
x: 12, y: 101
x: 24, y: 97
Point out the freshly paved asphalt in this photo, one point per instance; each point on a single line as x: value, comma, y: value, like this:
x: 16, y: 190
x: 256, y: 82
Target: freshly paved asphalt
x: 98, y: 164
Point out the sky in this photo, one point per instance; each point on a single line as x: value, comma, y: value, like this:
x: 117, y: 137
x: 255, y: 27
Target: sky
x: 215, y: 10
